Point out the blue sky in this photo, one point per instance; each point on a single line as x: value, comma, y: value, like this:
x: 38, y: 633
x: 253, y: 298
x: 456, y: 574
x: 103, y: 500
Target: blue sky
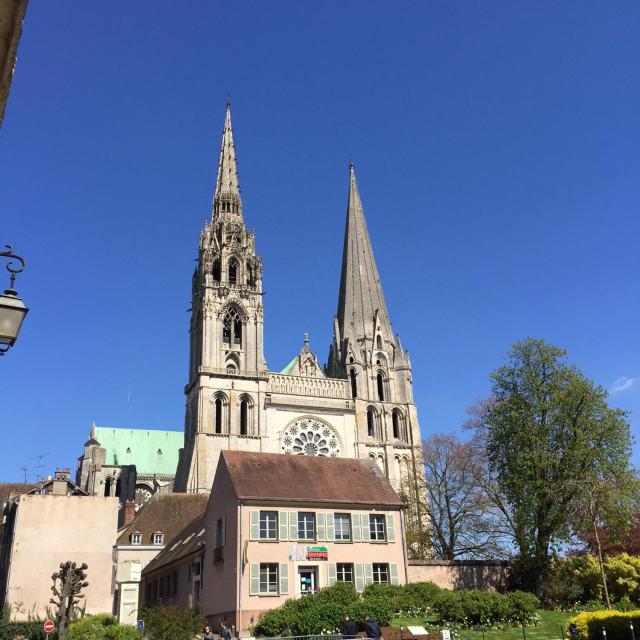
x: 496, y: 148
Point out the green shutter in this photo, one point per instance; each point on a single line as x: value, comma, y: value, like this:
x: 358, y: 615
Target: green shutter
x: 254, y: 579
x: 320, y: 526
x: 283, y: 578
x: 283, y: 525
x: 358, y: 569
x: 254, y: 528
x: 333, y: 573
x: 293, y: 525
x: 368, y: 573
x: 331, y: 527
x: 390, y: 528
x: 355, y: 527
x: 366, y: 527
x: 393, y: 573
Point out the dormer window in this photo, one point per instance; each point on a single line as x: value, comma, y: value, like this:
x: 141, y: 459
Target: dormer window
x: 158, y: 538
x: 136, y: 538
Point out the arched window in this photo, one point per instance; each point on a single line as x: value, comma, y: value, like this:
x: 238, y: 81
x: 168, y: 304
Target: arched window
x: 379, y: 342
x: 218, y: 415
x: 118, y: 488
x: 233, y: 271
x: 380, y: 382
x: 244, y: 410
x: 371, y: 422
x: 354, y: 384
x: 107, y: 487
x: 232, y: 329
x: 216, y: 270
x: 398, y: 423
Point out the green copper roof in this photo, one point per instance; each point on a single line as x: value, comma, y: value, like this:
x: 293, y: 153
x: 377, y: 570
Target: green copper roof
x: 151, y: 451
x: 290, y: 366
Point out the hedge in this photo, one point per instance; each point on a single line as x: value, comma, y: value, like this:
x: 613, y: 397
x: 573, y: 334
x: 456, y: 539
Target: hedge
x: 101, y: 627
x: 29, y: 630
x: 616, y: 623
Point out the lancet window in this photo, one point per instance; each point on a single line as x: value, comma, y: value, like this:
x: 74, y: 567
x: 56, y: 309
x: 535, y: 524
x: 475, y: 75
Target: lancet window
x: 232, y: 329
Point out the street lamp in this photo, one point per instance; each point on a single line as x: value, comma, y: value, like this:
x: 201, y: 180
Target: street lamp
x: 12, y: 309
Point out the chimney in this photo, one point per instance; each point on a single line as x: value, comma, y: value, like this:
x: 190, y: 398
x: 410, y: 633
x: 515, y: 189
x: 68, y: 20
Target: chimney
x: 59, y: 487
x: 129, y: 512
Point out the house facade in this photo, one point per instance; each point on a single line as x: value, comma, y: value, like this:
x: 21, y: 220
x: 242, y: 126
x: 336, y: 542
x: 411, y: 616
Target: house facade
x: 278, y: 527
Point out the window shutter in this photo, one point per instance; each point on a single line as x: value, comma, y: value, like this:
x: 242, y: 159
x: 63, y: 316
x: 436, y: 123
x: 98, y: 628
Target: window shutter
x: 366, y: 527
x: 283, y: 525
x: 393, y: 573
x: 320, y: 526
x: 358, y: 568
x: 390, y: 528
x: 368, y: 573
x: 333, y: 573
x: 293, y: 525
x: 254, y: 579
x: 283, y: 578
x: 331, y: 527
x: 224, y: 530
x: 355, y: 526
x: 254, y: 525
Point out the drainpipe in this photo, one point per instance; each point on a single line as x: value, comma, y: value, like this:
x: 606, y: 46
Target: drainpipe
x: 404, y: 550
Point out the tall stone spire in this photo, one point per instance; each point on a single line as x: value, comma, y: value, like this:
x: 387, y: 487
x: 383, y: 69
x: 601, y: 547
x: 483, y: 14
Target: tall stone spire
x: 227, y: 194
x: 360, y: 301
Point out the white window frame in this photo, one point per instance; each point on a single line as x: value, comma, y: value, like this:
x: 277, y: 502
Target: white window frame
x: 304, y: 534
x: 264, y: 523
x: 341, y: 572
x: 380, y: 569
x: 377, y: 527
x: 269, y: 577
x: 158, y: 537
x: 136, y: 538
x: 339, y: 523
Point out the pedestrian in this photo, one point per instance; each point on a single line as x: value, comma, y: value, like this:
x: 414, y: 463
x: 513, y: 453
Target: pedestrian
x: 225, y: 633
x: 349, y: 629
x: 372, y: 628
x: 207, y: 634
x: 573, y: 630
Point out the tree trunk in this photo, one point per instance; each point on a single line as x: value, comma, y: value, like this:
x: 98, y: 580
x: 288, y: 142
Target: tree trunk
x: 600, y: 560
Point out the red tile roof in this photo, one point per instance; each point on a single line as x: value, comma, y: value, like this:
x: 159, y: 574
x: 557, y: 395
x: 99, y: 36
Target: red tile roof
x: 281, y: 477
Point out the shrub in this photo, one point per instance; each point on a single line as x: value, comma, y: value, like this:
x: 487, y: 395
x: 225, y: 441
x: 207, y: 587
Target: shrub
x: 419, y: 595
x: 101, y: 627
x: 486, y: 608
x: 29, y: 630
x: 172, y: 623
x: 616, y: 623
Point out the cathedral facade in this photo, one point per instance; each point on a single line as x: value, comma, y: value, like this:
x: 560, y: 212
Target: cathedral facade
x: 359, y: 406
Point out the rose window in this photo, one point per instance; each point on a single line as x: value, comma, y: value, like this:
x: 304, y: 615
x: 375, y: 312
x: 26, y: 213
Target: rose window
x: 309, y: 437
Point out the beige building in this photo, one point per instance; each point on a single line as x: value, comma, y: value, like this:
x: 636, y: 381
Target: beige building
x: 278, y: 527
x: 54, y: 523
x: 159, y: 520
x: 360, y: 405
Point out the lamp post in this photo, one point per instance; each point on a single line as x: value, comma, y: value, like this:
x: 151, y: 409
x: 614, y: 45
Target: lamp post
x: 12, y: 309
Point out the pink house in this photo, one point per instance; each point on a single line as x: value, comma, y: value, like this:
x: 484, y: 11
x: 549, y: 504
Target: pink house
x: 279, y: 527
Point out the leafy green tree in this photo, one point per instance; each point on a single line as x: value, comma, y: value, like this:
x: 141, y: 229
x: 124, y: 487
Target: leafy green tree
x: 549, y: 434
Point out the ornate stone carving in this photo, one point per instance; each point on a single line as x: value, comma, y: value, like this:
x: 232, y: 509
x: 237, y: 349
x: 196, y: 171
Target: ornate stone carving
x: 310, y: 436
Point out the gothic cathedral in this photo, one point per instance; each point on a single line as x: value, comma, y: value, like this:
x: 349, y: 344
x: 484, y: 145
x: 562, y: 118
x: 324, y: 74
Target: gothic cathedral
x: 360, y: 406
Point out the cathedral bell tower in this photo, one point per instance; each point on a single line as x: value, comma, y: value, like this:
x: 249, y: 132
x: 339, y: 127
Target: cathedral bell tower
x: 226, y: 359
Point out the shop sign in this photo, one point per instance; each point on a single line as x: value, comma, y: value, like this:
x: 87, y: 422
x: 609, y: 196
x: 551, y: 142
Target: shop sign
x: 317, y: 553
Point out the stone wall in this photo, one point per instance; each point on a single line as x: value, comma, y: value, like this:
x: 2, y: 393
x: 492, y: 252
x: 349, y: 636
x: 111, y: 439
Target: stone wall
x: 489, y: 575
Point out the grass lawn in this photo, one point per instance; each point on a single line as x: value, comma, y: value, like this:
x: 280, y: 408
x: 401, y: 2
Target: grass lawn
x: 548, y: 629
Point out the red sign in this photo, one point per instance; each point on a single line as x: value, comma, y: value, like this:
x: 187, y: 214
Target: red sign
x: 48, y: 626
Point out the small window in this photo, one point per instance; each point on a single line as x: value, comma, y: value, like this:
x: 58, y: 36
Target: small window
x: 136, y: 538
x: 306, y: 525
x: 344, y: 572
x: 354, y: 383
x: 268, y: 578
x: 379, y: 342
x: 376, y: 527
x: 128, y: 449
x: 371, y: 423
x: 395, y: 419
x: 159, y: 452
x: 342, y: 523
x: 158, y: 538
x: 218, y: 418
x: 380, y: 573
x: 268, y: 525
x: 244, y: 410
x: 233, y: 272
x: 380, y: 381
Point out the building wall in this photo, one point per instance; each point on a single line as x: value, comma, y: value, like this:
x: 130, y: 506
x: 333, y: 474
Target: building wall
x: 53, y: 529
x: 489, y: 575
x: 223, y: 598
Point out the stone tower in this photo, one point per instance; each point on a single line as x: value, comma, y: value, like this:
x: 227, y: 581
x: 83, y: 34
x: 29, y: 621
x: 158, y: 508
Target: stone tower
x: 366, y: 352
x: 226, y: 361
